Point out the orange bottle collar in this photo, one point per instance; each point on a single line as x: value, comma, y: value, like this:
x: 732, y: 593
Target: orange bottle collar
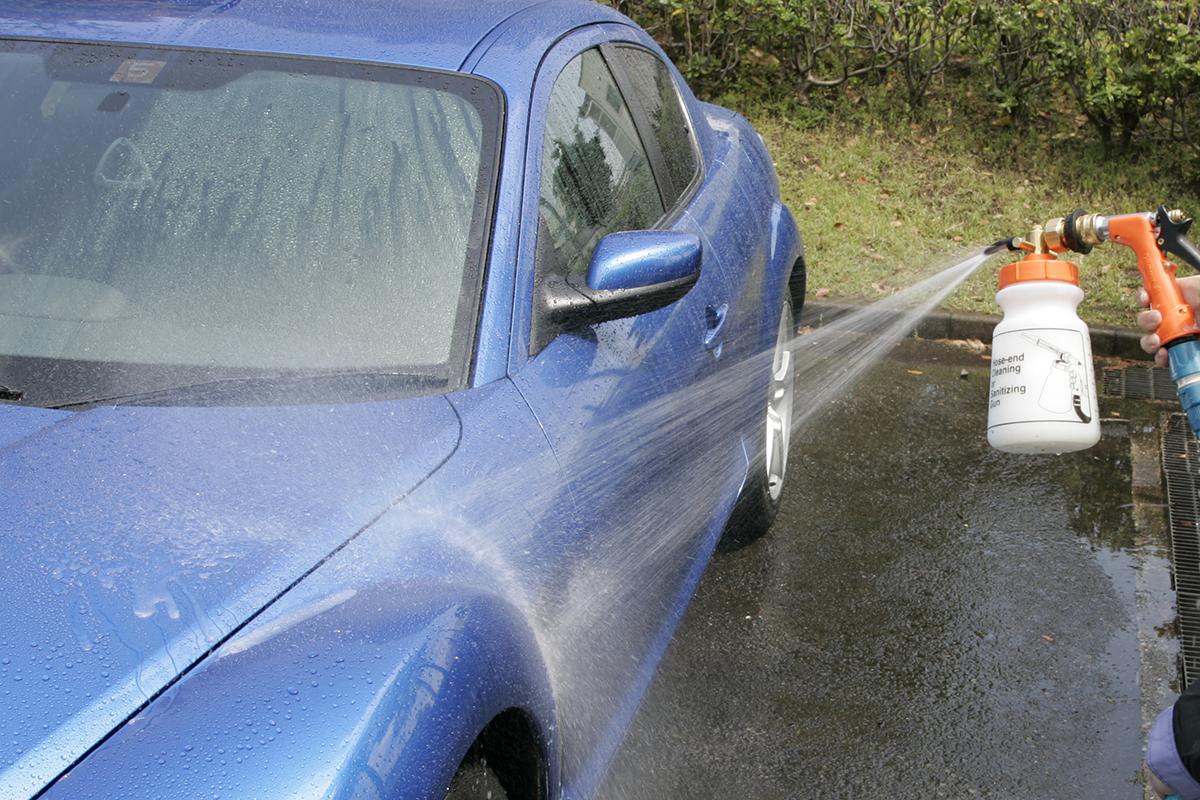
x: 1038, y: 267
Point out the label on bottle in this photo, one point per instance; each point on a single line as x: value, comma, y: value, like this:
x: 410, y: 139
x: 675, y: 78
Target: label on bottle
x: 1040, y: 375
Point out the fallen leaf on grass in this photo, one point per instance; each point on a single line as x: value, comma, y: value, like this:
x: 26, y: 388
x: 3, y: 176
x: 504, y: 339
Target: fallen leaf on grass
x: 914, y: 372
x: 822, y: 292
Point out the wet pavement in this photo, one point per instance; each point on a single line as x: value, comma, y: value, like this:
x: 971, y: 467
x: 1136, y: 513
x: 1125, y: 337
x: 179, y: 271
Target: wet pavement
x: 928, y: 617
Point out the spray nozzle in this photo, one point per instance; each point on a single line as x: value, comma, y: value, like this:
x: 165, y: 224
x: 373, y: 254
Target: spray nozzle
x: 1012, y: 243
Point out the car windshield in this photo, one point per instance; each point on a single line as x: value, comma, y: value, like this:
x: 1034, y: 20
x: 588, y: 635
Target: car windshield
x: 177, y: 218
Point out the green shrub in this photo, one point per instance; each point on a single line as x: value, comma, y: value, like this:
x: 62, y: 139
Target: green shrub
x: 1132, y: 70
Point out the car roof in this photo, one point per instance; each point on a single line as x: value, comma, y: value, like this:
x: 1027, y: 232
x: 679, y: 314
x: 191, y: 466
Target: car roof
x: 412, y: 32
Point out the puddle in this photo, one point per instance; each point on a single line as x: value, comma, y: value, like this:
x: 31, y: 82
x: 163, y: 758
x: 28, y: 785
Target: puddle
x: 929, y: 618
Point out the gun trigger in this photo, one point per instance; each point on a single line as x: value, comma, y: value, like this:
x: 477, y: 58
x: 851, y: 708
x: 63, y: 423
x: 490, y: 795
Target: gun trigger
x: 1171, y: 238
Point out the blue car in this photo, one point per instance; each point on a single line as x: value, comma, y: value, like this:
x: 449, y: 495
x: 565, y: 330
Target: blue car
x: 376, y: 381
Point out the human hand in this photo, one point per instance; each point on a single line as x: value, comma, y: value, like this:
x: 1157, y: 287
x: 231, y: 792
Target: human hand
x: 1149, y: 320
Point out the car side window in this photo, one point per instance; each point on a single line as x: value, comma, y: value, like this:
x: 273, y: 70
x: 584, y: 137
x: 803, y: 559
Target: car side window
x: 596, y: 177
x: 656, y: 91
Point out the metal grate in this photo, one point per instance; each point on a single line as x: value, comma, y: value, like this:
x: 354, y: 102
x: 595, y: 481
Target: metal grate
x: 1139, y: 383
x: 1181, y: 466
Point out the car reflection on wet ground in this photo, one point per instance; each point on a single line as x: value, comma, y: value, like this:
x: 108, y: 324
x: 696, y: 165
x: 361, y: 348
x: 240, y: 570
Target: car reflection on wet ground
x: 928, y: 617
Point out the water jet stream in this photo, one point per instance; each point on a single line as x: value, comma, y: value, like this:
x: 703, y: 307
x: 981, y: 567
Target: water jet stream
x: 602, y: 594
x: 830, y: 359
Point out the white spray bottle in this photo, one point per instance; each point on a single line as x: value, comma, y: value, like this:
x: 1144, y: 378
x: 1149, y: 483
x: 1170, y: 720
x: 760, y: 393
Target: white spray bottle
x: 1042, y: 395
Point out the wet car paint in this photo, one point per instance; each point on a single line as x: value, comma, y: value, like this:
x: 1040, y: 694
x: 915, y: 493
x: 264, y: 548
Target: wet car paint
x: 135, y: 540
x: 382, y: 552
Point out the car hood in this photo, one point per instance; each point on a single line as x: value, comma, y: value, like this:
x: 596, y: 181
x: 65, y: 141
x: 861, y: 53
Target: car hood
x: 133, y: 540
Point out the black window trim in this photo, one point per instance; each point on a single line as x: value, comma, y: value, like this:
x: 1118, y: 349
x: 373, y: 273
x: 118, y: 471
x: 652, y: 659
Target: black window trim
x: 641, y: 124
x: 460, y: 371
x: 641, y: 121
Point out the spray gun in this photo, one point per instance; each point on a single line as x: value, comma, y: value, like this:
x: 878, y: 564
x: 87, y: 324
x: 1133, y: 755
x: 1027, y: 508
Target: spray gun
x: 1039, y: 294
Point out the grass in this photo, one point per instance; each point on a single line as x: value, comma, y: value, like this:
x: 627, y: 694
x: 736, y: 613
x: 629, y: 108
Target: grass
x: 881, y: 203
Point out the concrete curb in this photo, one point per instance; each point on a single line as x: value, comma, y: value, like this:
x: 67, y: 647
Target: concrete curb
x: 1107, y: 340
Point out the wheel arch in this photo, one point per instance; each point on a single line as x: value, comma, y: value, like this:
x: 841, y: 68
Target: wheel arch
x: 509, y: 703
x: 798, y: 286
x: 378, y: 690
x: 515, y: 749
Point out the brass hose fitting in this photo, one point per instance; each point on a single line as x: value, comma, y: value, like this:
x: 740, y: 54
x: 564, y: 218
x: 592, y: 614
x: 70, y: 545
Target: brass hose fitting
x: 1078, y: 231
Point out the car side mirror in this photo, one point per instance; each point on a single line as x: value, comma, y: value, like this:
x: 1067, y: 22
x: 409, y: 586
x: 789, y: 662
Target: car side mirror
x: 633, y: 272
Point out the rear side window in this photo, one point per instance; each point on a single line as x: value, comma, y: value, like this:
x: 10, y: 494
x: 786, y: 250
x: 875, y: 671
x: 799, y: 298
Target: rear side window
x: 596, y: 177
x: 658, y: 94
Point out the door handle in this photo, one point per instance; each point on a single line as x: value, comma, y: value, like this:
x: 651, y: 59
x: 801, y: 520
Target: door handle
x: 714, y: 319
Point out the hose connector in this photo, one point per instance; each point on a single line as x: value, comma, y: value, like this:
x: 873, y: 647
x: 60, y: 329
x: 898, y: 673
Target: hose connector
x: 1078, y: 232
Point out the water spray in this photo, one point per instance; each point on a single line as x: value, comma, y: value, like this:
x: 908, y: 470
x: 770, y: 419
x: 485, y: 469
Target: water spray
x: 1042, y: 397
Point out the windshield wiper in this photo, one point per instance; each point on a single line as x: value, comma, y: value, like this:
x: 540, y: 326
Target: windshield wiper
x: 11, y: 395
x: 254, y: 386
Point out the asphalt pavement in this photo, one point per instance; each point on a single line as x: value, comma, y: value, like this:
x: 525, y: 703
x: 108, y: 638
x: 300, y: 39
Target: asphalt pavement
x: 928, y: 617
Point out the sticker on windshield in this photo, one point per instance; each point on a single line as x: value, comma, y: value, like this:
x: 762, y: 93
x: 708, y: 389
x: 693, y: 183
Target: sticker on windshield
x: 53, y: 97
x: 133, y: 70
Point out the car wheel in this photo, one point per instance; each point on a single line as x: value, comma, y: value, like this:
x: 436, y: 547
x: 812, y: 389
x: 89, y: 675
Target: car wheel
x: 758, y: 505
x: 475, y: 780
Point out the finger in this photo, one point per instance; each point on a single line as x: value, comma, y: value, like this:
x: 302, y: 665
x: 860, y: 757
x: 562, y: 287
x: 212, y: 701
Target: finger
x: 1190, y: 287
x: 1150, y: 343
x: 1149, y: 320
x: 1143, y: 297
x: 1161, y: 358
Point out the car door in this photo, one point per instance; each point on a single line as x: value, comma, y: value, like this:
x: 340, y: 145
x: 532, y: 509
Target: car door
x: 631, y: 407
x: 732, y: 214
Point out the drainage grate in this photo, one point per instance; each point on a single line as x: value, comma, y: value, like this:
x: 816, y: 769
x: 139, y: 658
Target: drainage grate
x: 1139, y: 383
x: 1181, y: 466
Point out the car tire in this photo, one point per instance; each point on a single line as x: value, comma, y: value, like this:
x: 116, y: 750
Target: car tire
x: 762, y: 495
x: 476, y: 780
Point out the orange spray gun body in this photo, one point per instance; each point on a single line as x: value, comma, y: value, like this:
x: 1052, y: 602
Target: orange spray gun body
x: 1138, y: 232
x: 1151, y: 236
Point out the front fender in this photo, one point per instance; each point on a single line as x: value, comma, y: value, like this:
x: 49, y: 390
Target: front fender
x: 373, y: 693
